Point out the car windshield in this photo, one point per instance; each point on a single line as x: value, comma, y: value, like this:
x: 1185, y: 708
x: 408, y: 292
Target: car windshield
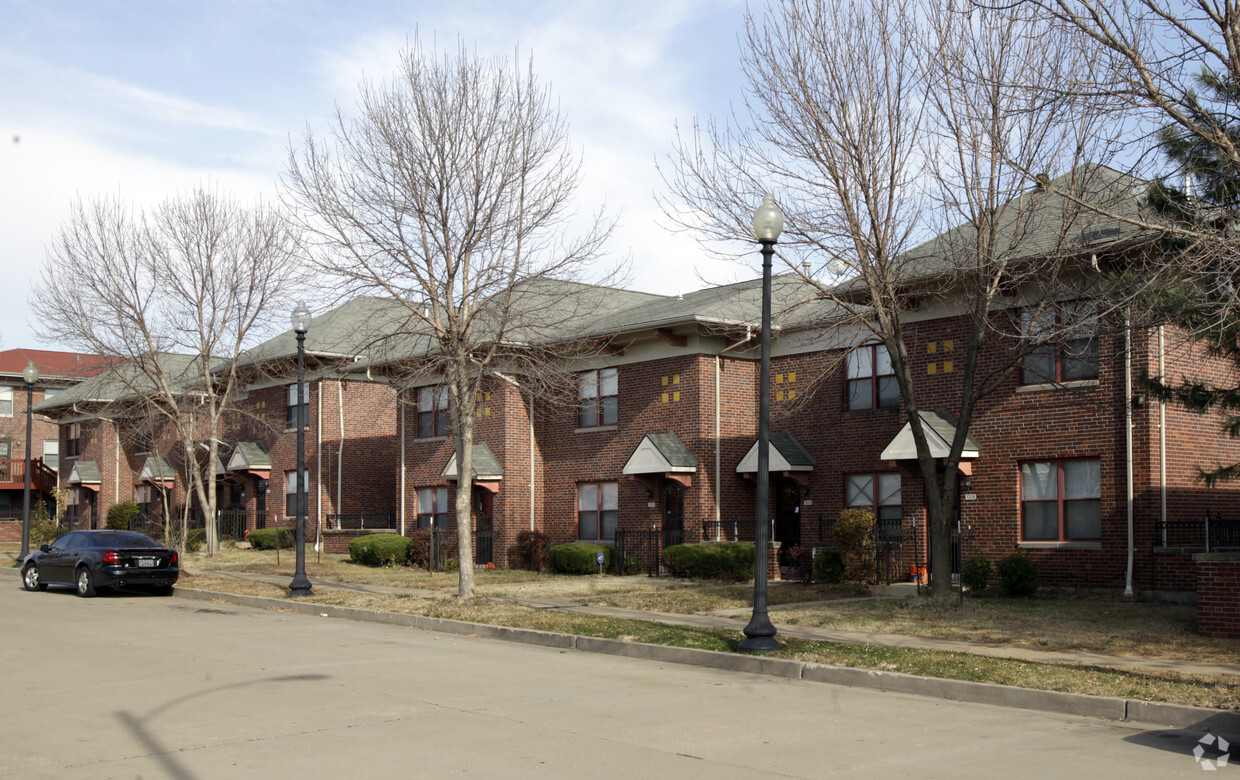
x: 124, y: 539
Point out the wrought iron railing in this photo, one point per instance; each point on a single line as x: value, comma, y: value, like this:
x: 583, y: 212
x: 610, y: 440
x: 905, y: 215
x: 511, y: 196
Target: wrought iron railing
x: 1210, y: 533
x: 364, y: 521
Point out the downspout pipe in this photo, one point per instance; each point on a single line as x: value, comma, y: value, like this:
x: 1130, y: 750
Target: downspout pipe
x: 1128, y: 591
x: 1162, y: 437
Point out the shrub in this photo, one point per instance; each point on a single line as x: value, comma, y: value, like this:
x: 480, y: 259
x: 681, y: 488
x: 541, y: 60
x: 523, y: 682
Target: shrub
x: 268, y: 538
x: 530, y: 551
x: 977, y: 572
x: 121, y: 515
x: 579, y: 558
x: 196, y: 538
x: 802, y: 560
x: 853, y: 535
x: 379, y: 550
x: 1018, y: 576
x: 726, y: 561
x: 420, y: 549
x: 830, y: 566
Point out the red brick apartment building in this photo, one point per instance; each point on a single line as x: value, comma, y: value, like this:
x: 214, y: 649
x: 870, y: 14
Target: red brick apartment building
x: 57, y: 371
x: 1067, y: 460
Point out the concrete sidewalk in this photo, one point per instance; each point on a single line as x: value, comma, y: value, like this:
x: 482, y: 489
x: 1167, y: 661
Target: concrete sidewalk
x: 736, y: 619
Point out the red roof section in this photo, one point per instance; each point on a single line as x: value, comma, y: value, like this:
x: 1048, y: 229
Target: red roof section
x: 51, y: 364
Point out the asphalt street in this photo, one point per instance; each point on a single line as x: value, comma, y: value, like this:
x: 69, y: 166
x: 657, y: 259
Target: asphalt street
x: 127, y: 685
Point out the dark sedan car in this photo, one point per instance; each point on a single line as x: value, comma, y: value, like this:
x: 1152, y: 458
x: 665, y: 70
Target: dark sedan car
x: 92, y: 560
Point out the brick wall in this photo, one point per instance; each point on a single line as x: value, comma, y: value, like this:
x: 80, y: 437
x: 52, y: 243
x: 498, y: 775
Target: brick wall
x: 1218, y: 583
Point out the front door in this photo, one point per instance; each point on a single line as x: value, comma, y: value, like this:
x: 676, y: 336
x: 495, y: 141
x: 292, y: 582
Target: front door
x: 787, y: 518
x: 260, y: 504
x: 673, y: 513
x: 484, y: 534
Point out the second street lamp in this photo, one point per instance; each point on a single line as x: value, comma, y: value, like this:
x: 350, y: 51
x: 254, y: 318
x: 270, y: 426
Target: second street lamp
x: 30, y: 375
x: 300, y: 586
x: 768, y: 223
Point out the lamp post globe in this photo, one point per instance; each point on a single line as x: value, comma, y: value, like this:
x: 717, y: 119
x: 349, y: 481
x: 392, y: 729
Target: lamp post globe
x: 30, y: 375
x: 300, y: 586
x: 768, y: 223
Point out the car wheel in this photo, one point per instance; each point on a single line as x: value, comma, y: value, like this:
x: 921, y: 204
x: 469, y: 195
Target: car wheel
x: 30, y: 578
x: 85, y: 582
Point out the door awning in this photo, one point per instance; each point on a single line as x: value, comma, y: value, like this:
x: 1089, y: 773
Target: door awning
x: 488, y: 471
x: 785, y: 454
x: 158, y: 470
x: 940, y: 428
x: 251, y: 456
x: 662, y: 453
x: 85, y: 473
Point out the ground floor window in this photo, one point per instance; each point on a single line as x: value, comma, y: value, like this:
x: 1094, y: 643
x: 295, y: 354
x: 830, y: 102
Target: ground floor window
x: 598, y: 510
x: 432, y: 507
x: 293, y: 506
x: 1061, y: 500
x: 879, y: 493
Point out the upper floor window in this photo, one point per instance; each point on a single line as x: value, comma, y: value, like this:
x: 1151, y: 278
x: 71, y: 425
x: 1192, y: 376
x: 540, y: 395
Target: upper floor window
x: 433, y: 412
x: 432, y: 507
x: 73, y: 440
x: 871, y: 379
x: 143, y: 442
x: 598, y: 398
x: 598, y: 510
x: 298, y: 413
x: 51, y: 454
x: 6, y: 402
x: 1061, y: 500
x: 1065, y: 347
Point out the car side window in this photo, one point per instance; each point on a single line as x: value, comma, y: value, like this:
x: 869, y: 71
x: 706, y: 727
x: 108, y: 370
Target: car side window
x: 71, y: 542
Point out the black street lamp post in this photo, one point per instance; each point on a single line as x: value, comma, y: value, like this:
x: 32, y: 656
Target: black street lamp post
x: 300, y: 586
x: 768, y: 223
x: 30, y: 375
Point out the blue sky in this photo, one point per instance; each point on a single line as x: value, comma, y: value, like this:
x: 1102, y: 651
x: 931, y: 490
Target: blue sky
x: 144, y: 100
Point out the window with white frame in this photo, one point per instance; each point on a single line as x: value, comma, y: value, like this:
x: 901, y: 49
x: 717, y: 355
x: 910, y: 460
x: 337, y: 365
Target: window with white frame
x: 298, y: 413
x: 598, y: 398
x: 6, y: 448
x: 51, y: 454
x: 142, y: 494
x: 1061, y: 500
x: 871, y: 379
x: 6, y: 402
x: 432, y: 507
x: 433, y: 420
x: 1064, y: 344
x: 598, y: 510
x: 291, y: 504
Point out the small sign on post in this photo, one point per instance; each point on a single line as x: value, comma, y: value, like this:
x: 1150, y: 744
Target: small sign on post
x: 599, y: 558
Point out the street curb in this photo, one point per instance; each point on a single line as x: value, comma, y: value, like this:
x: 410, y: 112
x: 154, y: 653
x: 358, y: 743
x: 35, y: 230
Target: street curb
x: 1127, y: 710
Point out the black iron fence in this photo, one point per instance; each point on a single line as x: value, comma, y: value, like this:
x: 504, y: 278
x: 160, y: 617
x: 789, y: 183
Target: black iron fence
x: 443, y: 554
x: 1211, y: 532
x: 363, y: 521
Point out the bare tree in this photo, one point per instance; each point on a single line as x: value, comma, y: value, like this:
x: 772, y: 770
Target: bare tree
x: 451, y: 193
x: 882, y: 123
x: 173, y: 295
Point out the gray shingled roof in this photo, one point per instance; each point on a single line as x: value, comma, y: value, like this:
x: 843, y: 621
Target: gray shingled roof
x: 157, y: 469
x: 250, y: 455
x: 785, y: 446
x: 485, y: 464
x: 121, y: 380
x: 85, y: 472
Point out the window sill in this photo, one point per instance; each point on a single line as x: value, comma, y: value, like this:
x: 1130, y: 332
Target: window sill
x: 594, y: 428
x: 1073, y: 385
x: 864, y: 412
x: 431, y: 438
x: 1059, y: 545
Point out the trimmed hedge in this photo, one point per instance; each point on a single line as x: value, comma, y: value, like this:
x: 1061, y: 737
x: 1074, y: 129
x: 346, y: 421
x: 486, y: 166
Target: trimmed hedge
x: 726, y: 561
x: 976, y: 573
x: 582, y: 558
x: 380, y: 550
x: 268, y: 538
x: 195, y: 539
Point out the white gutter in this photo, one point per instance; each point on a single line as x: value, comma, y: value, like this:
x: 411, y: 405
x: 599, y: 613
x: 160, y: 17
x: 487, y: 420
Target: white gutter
x: 718, y: 369
x: 318, y: 480
x: 400, y: 488
x: 340, y: 449
x: 1128, y: 444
